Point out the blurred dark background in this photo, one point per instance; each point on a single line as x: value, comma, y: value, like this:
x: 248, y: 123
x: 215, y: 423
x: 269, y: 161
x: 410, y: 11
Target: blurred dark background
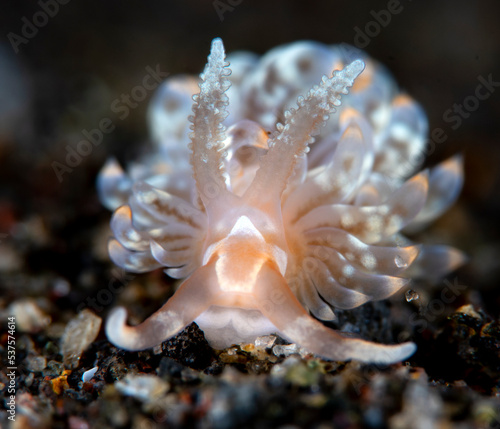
x: 64, y: 79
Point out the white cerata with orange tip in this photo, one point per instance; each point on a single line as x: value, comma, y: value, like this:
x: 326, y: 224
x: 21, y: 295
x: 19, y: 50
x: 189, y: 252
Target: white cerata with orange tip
x: 270, y: 236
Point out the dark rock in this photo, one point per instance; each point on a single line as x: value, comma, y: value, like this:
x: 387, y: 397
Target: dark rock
x: 466, y: 348
x: 190, y: 348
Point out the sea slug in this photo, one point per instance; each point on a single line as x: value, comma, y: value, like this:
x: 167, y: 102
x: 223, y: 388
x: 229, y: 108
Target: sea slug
x: 271, y: 231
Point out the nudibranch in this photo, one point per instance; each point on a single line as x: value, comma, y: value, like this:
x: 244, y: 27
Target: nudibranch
x: 270, y: 235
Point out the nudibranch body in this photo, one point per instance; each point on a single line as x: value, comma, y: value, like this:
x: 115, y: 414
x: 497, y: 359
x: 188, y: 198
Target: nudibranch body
x: 269, y: 233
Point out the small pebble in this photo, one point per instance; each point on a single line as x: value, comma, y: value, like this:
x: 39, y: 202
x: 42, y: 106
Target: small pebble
x: 80, y: 332
x: 144, y: 387
x: 77, y: 423
x: 9, y: 258
x: 53, y: 369
x: 411, y: 295
x: 36, y: 363
x: 87, y: 375
x: 29, y: 316
x: 265, y: 341
x: 285, y: 350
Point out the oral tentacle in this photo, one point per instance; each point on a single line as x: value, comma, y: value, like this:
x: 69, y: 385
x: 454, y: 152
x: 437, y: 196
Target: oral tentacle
x: 284, y: 311
x: 192, y: 298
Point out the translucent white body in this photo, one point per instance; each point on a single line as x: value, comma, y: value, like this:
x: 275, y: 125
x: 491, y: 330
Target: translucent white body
x: 266, y: 231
